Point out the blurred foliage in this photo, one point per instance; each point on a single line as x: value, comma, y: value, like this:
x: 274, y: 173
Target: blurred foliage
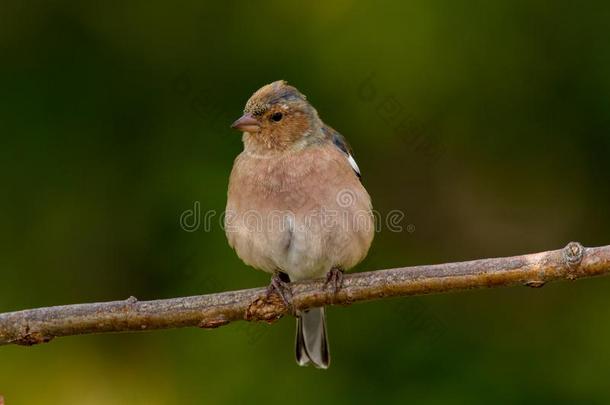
x: 488, y: 123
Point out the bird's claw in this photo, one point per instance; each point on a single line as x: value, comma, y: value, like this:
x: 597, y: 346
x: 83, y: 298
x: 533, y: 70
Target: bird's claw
x: 282, y: 288
x: 334, y: 279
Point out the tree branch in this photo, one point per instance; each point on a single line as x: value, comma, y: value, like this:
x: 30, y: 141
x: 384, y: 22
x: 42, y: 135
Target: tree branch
x: 40, y: 325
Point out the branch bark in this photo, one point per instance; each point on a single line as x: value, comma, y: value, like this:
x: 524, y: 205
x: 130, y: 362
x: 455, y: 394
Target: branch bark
x: 40, y: 325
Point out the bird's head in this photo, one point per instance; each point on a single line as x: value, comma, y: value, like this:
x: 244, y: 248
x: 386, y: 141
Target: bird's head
x: 277, y: 117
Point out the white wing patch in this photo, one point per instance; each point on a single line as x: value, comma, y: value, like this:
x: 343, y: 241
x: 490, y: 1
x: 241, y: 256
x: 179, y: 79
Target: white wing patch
x: 354, y: 165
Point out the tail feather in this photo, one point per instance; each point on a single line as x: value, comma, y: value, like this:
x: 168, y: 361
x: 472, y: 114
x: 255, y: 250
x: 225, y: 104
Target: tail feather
x: 312, y: 340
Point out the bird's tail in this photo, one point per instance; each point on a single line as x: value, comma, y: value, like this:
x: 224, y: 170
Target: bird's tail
x: 312, y: 341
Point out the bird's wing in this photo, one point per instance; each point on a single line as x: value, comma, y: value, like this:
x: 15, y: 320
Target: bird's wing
x: 340, y: 142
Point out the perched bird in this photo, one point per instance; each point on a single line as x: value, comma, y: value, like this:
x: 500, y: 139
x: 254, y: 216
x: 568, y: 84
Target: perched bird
x: 296, y: 207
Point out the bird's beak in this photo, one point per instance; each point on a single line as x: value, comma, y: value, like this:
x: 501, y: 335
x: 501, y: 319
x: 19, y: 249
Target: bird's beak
x: 246, y: 123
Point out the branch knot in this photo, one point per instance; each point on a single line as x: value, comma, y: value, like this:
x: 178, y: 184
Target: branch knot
x: 268, y: 308
x: 32, y: 338
x: 573, y: 254
x: 33, y: 326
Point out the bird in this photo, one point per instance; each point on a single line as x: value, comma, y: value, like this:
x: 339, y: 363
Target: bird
x: 296, y: 205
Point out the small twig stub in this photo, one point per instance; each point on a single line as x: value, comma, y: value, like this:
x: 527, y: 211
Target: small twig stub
x: 41, y: 325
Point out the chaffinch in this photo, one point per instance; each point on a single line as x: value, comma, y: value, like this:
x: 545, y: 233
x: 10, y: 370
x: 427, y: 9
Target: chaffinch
x: 296, y: 207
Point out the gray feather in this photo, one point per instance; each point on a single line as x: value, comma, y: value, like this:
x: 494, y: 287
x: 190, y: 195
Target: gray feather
x: 312, y: 340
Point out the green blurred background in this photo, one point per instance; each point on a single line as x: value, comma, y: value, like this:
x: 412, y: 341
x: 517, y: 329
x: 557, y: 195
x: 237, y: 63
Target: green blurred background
x: 487, y: 123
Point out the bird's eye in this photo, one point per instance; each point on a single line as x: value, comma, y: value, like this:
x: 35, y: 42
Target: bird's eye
x: 277, y: 116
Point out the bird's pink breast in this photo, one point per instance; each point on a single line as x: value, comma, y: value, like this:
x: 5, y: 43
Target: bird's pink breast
x: 299, y: 212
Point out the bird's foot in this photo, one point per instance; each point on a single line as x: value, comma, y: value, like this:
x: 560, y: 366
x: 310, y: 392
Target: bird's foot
x: 334, y: 280
x: 280, y: 285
